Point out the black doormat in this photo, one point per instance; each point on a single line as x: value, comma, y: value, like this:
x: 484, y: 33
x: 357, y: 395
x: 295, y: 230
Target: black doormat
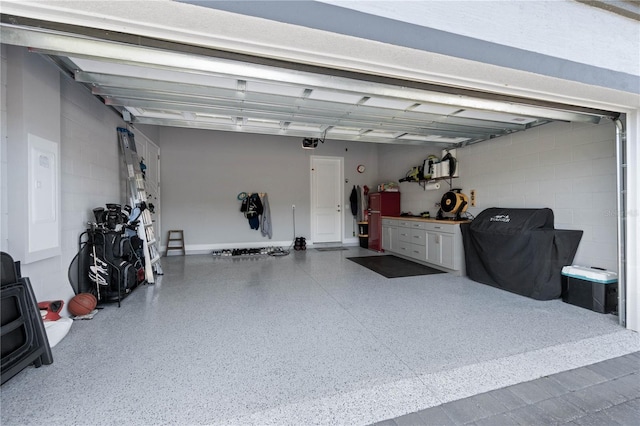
x: 331, y: 248
x: 394, y: 267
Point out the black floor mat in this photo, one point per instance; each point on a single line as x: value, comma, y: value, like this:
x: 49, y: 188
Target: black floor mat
x: 394, y: 267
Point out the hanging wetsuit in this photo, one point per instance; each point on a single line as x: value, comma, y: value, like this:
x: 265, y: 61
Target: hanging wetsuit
x: 252, y: 209
x: 359, y: 202
x: 255, y: 210
x: 353, y: 199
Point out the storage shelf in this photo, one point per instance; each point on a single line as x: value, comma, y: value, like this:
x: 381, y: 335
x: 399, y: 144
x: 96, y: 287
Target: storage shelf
x: 423, y: 182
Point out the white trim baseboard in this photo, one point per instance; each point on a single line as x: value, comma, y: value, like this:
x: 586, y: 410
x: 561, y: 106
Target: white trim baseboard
x: 209, y: 248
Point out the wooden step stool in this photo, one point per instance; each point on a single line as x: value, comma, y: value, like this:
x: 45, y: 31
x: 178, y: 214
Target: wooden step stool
x: 179, y: 239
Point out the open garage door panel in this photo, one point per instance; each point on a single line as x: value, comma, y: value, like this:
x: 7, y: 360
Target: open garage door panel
x: 171, y: 84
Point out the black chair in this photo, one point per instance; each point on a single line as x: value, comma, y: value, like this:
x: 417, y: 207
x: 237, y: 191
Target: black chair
x: 22, y: 333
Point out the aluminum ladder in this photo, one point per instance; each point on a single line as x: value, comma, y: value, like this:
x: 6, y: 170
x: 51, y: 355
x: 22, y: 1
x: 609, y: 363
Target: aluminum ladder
x: 138, y: 198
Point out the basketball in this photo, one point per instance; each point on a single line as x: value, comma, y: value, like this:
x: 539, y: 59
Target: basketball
x: 82, y: 304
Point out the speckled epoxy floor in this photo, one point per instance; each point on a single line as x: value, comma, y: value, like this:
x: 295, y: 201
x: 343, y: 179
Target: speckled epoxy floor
x: 310, y: 338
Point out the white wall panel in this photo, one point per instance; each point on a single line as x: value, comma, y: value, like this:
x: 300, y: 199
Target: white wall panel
x: 203, y: 172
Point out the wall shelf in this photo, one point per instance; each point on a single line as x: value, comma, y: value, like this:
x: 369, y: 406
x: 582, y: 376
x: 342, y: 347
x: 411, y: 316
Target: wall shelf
x: 423, y: 183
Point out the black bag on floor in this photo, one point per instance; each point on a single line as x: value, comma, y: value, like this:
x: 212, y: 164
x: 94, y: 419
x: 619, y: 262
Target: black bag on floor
x: 124, y: 275
x: 122, y: 247
x: 115, y: 246
x: 105, y: 245
x: 137, y: 252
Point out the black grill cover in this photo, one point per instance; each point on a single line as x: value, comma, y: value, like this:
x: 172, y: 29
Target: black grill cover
x: 519, y: 250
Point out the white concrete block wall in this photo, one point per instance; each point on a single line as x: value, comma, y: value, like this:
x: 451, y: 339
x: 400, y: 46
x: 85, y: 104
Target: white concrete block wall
x: 89, y: 178
x: 394, y: 162
x: 90, y: 160
x: 4, y: 214
x: 570, y: 168
x: 90, y: 167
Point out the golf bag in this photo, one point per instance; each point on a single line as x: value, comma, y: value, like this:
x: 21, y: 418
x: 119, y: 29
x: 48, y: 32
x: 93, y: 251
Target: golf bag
x: 114, y: 265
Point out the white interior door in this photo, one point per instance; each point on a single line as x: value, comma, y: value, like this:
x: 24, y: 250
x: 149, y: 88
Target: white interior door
x: 326, y: 199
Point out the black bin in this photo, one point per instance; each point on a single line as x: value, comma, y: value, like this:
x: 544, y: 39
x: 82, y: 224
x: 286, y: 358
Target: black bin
x: 590, y: 288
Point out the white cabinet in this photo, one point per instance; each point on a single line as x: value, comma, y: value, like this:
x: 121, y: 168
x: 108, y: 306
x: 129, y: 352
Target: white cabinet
x: 412, y: 237
x: 434, y: 254
x: 440, y: 249
x: 448, y: 257
x: 427, y: 241
x: 444, y: 245
x: 414, y: 245
x: 386, y: 238
x: 389, y: 235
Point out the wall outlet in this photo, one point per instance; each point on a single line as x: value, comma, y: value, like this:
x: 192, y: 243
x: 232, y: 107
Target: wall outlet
x: 473, y: 198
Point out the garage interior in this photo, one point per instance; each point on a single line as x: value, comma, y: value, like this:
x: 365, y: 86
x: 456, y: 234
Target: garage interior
x: 310, y: 337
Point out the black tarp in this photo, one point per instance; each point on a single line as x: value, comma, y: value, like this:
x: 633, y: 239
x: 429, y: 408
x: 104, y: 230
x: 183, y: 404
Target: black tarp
x: 519, y: 250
